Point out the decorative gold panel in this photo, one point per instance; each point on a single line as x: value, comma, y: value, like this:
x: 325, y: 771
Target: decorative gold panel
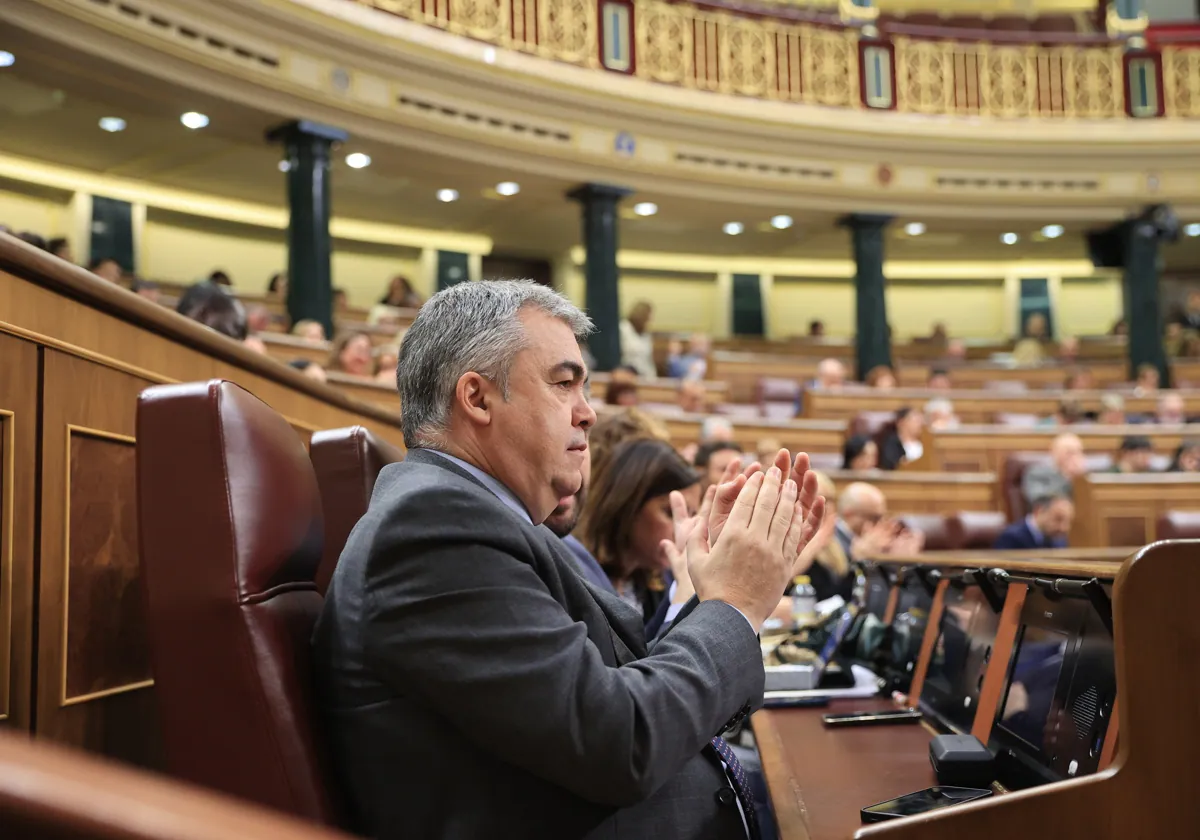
x: 105, y: 640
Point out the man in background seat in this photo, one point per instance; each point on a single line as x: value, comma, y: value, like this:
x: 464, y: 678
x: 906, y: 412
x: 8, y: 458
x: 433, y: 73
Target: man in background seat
x: 1047, y: 526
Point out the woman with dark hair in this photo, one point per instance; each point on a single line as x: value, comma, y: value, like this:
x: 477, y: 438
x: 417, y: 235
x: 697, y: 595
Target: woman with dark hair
x: 352, y: 354
x: 627, y: 516
x: 860, y: 453
x: 1187, y: 457
x: 215, y: 309
x: 278, y: 285
x: 902, y: 443
x: 624, y: 394
x: 400, y: 293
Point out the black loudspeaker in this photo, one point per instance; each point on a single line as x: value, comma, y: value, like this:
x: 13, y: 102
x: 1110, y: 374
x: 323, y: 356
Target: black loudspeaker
x: 1106, y: 248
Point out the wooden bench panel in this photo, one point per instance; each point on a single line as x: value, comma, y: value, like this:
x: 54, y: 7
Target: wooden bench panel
x: 924, y: 492
x: 1114, y: 509
x: 984, y: 448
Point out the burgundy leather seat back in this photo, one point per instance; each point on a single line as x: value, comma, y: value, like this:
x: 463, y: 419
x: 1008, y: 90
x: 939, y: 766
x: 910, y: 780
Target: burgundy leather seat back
x: 1010, y: 482
x: 938, y: 536
x: 231, y: 535
x: 347, y: 462
x: 1179, y: 525
x: 977, y: 529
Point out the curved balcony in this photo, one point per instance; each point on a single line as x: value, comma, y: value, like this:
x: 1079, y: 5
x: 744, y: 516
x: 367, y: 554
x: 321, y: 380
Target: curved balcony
x: 777, y: 53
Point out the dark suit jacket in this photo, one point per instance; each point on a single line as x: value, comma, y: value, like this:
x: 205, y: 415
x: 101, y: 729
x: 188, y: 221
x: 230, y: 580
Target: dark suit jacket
x: 472, y: 684
x: 588, y: 565
x: 1018, y: 536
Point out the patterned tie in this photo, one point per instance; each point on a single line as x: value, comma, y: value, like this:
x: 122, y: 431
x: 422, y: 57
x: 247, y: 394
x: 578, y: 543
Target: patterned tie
x: 737, y: 777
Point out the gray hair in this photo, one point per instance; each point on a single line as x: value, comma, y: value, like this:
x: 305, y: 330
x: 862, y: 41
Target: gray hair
x: 467, y: 327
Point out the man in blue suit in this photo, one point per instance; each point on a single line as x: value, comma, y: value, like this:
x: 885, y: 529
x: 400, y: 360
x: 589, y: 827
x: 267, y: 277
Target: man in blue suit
x: 1047, y: 526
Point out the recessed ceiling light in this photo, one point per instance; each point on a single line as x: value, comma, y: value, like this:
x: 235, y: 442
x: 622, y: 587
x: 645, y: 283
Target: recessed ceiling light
x: 914, y: 228
x: 7, y: 59
x: 1009, y: 238
x: 112, y: 124
x: 508, y: 188
x: 447, y: 195
x: 1052, y: 231
x: 285, y: 166
x: 358, y: 160
x: 645, y: 208
x: 194, y: 120
x: 733, y: 228
x: 1193, y: 229
x: 781, y: 222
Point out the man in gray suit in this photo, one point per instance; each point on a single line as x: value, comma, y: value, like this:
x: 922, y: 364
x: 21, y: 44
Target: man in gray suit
x: 472, y: 684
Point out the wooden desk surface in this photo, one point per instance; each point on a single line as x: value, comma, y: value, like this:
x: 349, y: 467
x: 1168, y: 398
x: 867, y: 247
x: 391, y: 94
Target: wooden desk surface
x: 1103, y: 563
x: 820, y: 777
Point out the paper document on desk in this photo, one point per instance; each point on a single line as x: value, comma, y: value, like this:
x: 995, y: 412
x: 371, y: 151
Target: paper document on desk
x: 866, y: 684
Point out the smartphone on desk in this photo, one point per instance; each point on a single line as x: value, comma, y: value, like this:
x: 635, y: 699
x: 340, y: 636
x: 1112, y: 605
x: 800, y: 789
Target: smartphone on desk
x: 922, y: 802
x: 883, y: 717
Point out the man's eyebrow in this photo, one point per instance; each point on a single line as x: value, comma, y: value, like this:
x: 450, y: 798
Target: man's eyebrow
x: 576, y: 370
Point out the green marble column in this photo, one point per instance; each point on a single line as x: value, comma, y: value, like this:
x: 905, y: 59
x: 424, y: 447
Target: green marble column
x: 112, y: 232
x: 310, y: 248
x: 600, y: 225
x: 452, y: 268
x: 748, y: 305
x: 872, y: 343
x: 1143, y: 314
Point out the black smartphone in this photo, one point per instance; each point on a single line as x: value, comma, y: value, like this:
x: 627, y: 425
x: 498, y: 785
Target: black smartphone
x: 818, y: 701
x: 922, y: 802
x: 882, y: 717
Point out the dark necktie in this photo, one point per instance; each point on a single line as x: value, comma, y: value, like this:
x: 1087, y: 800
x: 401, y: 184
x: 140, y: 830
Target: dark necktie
x: 737, y: 777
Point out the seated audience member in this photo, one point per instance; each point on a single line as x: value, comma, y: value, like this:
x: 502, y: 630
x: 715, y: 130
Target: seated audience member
x: 33, y: 239
x: 831, y: 375
x: 711, y: 460
x: 215, y: 308
x: 256, y: 344
x: 939, y: 380
x: 624, y: 394
x: 881, y: 377
x: 386, y: 360
x: 938, y: 334
x: 1068, y: 350
x: 1054, y: 477
x: 106, y: 268
x: 816, y: 329
x: 1133, y: 455
x: 1189, y: 315
x: 562, y: 521
x: 1119, y: 327
x: 309, y: 368
x: 614, y: 429
x: 456, y: 631
x: 860, y: 453
x: 1069, y: 412
x: 627, y: 515
x: 692, y: 397
x: 309, y: 330
x: 1187, y: 457
x: 1171, y: 410
x: 637, y: 345
x: 1147, y: 379
x: 940, y: 415
x: 1031, y: 349
x: 765, y: 450
x: 1079, y: 379
x: 352, y: 354
x: 956, y: 352
x: 147, y: 289
x: 61, y: 248
x: 863, y: 528
x: 277, y: 286
x: 715, y: 428
x: 258, y: 319
x: 623, y: 373
x: 1046, y: 526
x: 1112, y: 410
x: 830, y: 572
x: 1173, y: 338
x: 340, y: 303
x: 220, y: 278
x: 903, y: 443
x: 694, y: 363
x: 400, y: 294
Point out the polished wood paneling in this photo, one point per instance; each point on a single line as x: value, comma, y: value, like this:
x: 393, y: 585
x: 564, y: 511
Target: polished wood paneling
x: 382, y: 394
x: 664, y: 391
x: 93, y: 689
x: 933, y: 629
x: 105, y: 635
x: 1116, y: 508
x: 796, y: 435
x: 1002, y: 648
x: 984, y: 448
x: 18, y: 465
x: 923, y: 492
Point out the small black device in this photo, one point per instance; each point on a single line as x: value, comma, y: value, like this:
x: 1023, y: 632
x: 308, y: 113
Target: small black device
x: 819, y: 701
x: 882, y: 717
x: 922, y: 802
x: 962, y: 760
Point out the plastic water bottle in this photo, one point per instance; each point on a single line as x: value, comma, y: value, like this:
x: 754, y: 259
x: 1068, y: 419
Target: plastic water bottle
x: 804, y: 601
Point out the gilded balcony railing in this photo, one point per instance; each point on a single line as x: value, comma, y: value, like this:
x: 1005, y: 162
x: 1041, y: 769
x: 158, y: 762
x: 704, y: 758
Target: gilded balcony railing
x: 816, y: 61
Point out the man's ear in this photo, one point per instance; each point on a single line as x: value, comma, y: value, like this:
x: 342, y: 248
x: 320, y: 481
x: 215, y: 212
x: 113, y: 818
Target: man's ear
x: 473, y: 396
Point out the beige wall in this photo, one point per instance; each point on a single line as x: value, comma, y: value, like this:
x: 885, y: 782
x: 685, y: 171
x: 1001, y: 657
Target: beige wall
x: 48, y: 216
x: 794, y: 302
x: 969, y: 310
x: 683, y: 303
x: 1089, y: 305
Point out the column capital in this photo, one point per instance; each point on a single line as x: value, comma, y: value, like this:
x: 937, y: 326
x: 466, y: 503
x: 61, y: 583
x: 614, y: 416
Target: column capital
x: 858, y: 221
x: 294, y: 130
x: 587, y: 193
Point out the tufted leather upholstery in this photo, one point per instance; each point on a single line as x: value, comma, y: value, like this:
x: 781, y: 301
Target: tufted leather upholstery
x: 1179, y: 525
x: 231, y: 535
x: 976, y: 529
x: 938, y: 537
x: 347, y: 462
